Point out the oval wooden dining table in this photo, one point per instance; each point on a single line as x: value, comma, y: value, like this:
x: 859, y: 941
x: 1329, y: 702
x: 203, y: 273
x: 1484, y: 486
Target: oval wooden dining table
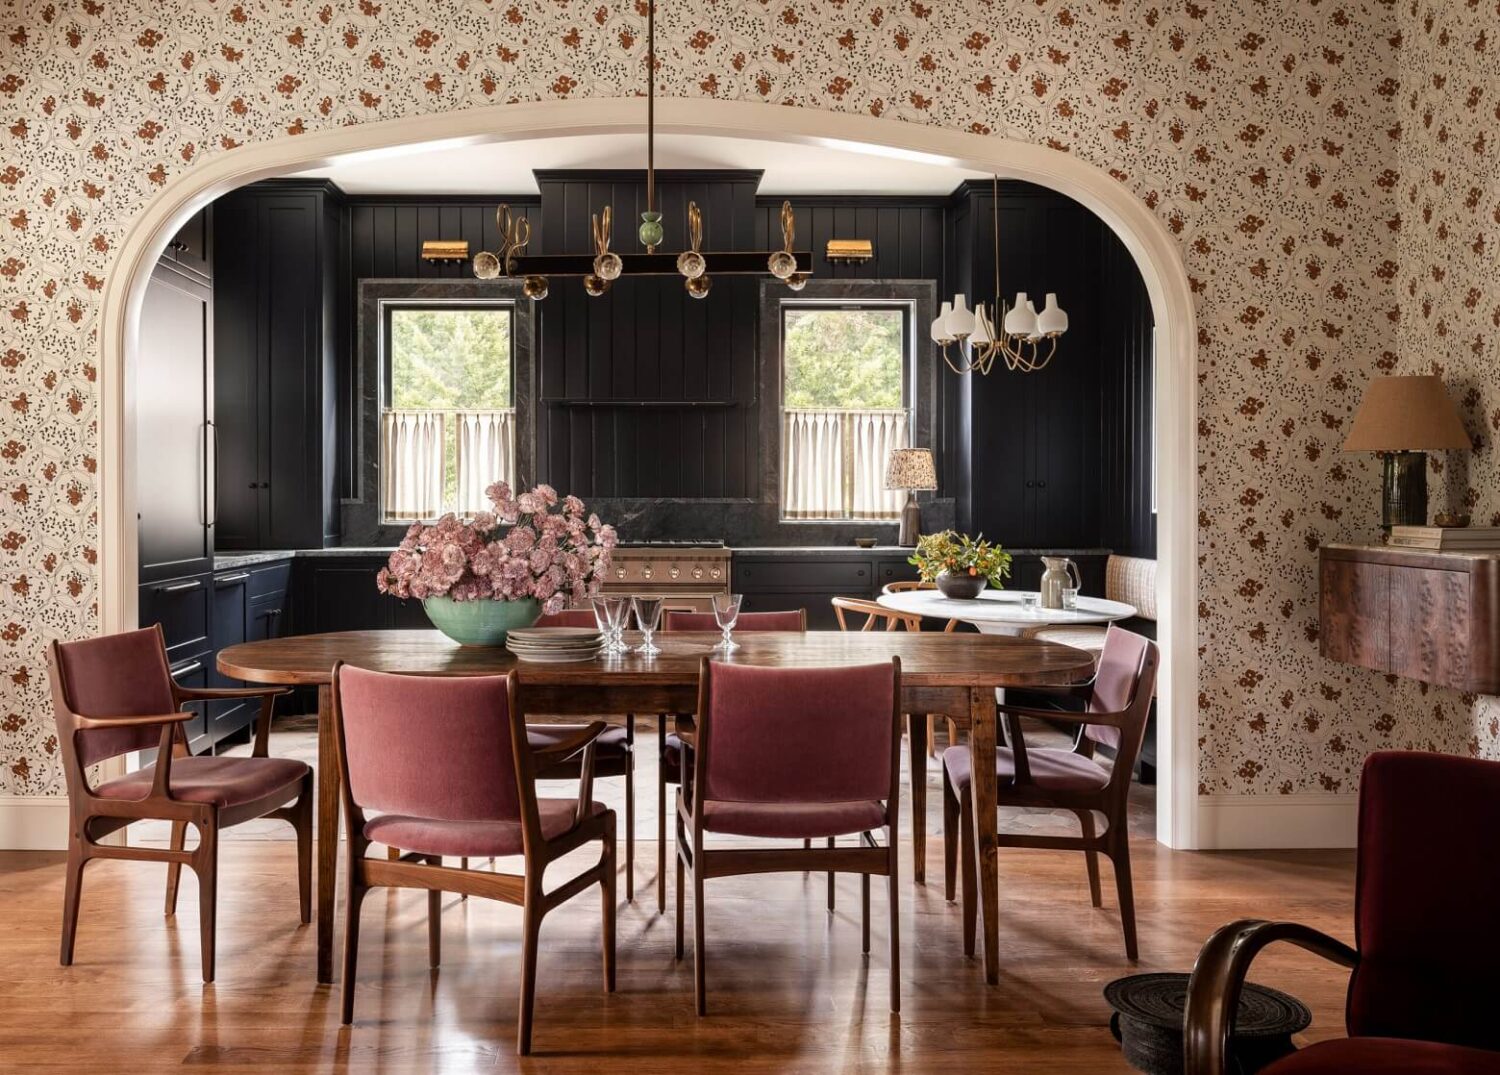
x: 950, y: 675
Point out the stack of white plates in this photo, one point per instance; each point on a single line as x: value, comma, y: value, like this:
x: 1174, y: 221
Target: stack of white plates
x: 555, y: 644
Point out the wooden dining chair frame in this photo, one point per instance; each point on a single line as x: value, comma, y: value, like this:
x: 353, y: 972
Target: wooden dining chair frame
x: 525, y: 890
x: 92, y: 817
x: 661, y: 799
x: 868, y: 859
x: 1112, y: 801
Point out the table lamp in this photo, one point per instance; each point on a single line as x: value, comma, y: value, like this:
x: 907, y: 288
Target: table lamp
x: 1401, y: 419
x: 910, y: 469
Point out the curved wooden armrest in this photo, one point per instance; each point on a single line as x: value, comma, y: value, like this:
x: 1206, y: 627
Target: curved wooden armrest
x: 686, y: 727
x: 1085, y: 717
x: 208, y: 694
x: 1219, y: 976
x: 100, y: 723
x: 566, y: 748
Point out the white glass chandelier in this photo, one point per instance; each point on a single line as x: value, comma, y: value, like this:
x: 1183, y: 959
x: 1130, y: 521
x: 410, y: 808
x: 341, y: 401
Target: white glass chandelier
x: 1027, y: 338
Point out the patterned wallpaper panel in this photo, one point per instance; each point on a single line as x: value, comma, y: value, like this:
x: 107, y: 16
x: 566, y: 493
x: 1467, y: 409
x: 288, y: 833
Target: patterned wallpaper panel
x: 1328, y: 167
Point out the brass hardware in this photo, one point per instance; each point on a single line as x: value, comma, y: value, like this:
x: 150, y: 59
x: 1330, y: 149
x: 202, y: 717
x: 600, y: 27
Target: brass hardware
x: 850, y: 251
x: 445, y: 250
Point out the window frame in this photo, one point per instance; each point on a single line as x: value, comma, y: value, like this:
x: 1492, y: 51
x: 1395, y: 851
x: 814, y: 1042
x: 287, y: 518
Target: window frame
x: 907, y: 307
x: 387, y: 308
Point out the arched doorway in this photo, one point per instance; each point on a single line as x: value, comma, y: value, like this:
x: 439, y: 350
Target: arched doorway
x: 1155, y: 252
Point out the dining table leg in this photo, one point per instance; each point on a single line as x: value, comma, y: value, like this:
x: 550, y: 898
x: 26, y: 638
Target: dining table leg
x: 984, y: 791
x: 916, y: 734
x: 328, y: 831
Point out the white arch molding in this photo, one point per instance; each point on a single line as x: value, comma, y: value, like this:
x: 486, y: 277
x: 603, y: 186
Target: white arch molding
x: 1155, y: 252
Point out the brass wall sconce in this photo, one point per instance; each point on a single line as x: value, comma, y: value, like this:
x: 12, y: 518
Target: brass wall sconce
x: 445, y: 250
x: 850, y: 251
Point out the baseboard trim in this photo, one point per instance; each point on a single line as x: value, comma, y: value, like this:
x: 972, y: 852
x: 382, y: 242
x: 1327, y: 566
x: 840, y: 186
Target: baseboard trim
x: 33, y: 822
x: 1246, y: 822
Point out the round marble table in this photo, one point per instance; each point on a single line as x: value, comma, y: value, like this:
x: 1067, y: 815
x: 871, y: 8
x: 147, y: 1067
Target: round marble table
x: 1003, y: 612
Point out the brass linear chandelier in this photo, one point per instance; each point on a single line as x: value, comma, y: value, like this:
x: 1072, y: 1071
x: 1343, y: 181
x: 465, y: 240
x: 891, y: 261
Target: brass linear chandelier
x: 601, y: 269
x: 1022, y: 329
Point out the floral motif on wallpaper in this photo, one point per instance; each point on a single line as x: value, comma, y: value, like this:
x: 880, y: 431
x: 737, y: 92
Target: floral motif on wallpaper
x: 1279, y: 142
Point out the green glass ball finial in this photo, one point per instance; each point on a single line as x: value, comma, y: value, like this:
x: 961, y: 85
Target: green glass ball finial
x: 651, y: 232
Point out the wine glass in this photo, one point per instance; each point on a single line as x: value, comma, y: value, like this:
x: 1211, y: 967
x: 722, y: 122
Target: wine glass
x: 609, y: 614
x: 647, y: 616
x: 726, y: 613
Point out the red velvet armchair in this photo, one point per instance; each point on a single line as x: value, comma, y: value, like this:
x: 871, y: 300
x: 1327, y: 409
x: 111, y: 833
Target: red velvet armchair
x: 115, y: 695
x: 1422, y: 993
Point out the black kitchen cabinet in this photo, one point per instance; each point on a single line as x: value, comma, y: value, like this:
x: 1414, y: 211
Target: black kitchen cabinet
x: 231, y: 607
x: 191, y: 249
x: 174, y: 447
x: 337, y: 593
x: 279, y: 325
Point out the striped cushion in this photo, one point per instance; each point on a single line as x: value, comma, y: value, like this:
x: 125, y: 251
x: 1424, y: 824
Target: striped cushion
x: 1087, y: 638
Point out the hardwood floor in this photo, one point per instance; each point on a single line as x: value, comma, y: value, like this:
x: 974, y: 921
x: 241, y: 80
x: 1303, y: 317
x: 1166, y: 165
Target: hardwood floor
x: 790, y: 991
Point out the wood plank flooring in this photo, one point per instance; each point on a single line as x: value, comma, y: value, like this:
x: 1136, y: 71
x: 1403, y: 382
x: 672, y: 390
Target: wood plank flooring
x: 788, y: 988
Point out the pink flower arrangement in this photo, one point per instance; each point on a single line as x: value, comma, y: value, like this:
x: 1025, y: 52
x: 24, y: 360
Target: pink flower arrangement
x: 524, y: 548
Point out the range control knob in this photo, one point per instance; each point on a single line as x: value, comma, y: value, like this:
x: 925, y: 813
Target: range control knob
x: 646, y: 572
x: 619, y: 572
x: 697, y: 572
x: 716, y: 572
x: 674, y: 572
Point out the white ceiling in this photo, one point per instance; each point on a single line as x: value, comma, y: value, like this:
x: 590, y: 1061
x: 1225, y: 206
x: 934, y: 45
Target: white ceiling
x: 506, y: 167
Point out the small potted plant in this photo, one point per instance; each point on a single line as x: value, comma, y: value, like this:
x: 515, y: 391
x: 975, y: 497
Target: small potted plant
x: 961, y: 566
x: 480, y: 578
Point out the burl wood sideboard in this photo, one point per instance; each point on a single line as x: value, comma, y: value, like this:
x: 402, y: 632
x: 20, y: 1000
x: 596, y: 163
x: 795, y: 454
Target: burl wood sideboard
x: 1431, y: 616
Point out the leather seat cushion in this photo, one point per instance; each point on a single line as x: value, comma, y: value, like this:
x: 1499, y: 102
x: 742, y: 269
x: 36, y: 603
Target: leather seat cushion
x: 1056, y: 770
x: 1376, y: 1056
x: 224, y: 782
x: 435, y: 836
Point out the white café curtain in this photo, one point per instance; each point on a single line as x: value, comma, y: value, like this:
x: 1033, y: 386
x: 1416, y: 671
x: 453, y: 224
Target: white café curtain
x: 411, y: 464
x: 833, y: 463
x: 486, y: 454
x: 874, y: 434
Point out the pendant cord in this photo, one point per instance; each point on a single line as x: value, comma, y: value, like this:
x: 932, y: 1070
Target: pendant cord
x: 995, y: 221
x: 650, y: 106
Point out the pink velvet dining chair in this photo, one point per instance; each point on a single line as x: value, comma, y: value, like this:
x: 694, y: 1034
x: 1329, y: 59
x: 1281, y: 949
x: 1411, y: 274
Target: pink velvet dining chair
x: 443, y: 767
x: 792, y: 754
x: 1117, y: 703
x: 115, y: 695
x: 614, y: 750
x: 669, y: 743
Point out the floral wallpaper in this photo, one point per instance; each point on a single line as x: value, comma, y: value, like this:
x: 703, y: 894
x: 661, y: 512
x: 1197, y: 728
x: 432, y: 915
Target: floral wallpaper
x: 1327, y: 166
x: 1446, y: 313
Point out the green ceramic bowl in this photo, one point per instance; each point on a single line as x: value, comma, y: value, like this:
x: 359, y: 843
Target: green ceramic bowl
x: 480, y: 623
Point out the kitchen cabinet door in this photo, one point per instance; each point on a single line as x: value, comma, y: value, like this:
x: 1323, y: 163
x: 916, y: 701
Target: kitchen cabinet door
x: 230, y: 611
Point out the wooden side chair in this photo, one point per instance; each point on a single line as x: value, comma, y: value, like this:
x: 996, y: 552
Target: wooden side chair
x: 614, y: 749
x: 789, y: 753
x: 1421, y: 994
x: 114, y: 695
x: 918, y: 727
x: 1117, y: 703
x: 669, y: 762
x: 448, y: 764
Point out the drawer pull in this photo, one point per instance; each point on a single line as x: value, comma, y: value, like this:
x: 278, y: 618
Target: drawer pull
x: 230, y: 580
x: 181, y: 587
x: 188, y: 669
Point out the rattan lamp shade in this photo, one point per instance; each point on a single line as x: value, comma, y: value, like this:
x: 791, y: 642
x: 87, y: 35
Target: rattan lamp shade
x: 1406, y: 414
x: 911, y: 468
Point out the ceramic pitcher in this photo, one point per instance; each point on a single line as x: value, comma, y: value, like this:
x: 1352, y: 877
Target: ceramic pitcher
x: 1061, y: 574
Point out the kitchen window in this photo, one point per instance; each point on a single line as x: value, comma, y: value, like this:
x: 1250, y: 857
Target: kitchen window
x: 844, y: 406
x: 447, y: 421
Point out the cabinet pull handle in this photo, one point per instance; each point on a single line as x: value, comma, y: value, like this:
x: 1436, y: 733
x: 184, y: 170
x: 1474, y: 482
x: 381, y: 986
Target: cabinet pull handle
x: 177, y: 246
x: 214, y: 500
x: 230, y: 580
x: 188, y: 669
x: 181, y: 587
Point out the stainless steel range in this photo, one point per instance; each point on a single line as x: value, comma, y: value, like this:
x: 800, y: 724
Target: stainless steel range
x: 686, y: 573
